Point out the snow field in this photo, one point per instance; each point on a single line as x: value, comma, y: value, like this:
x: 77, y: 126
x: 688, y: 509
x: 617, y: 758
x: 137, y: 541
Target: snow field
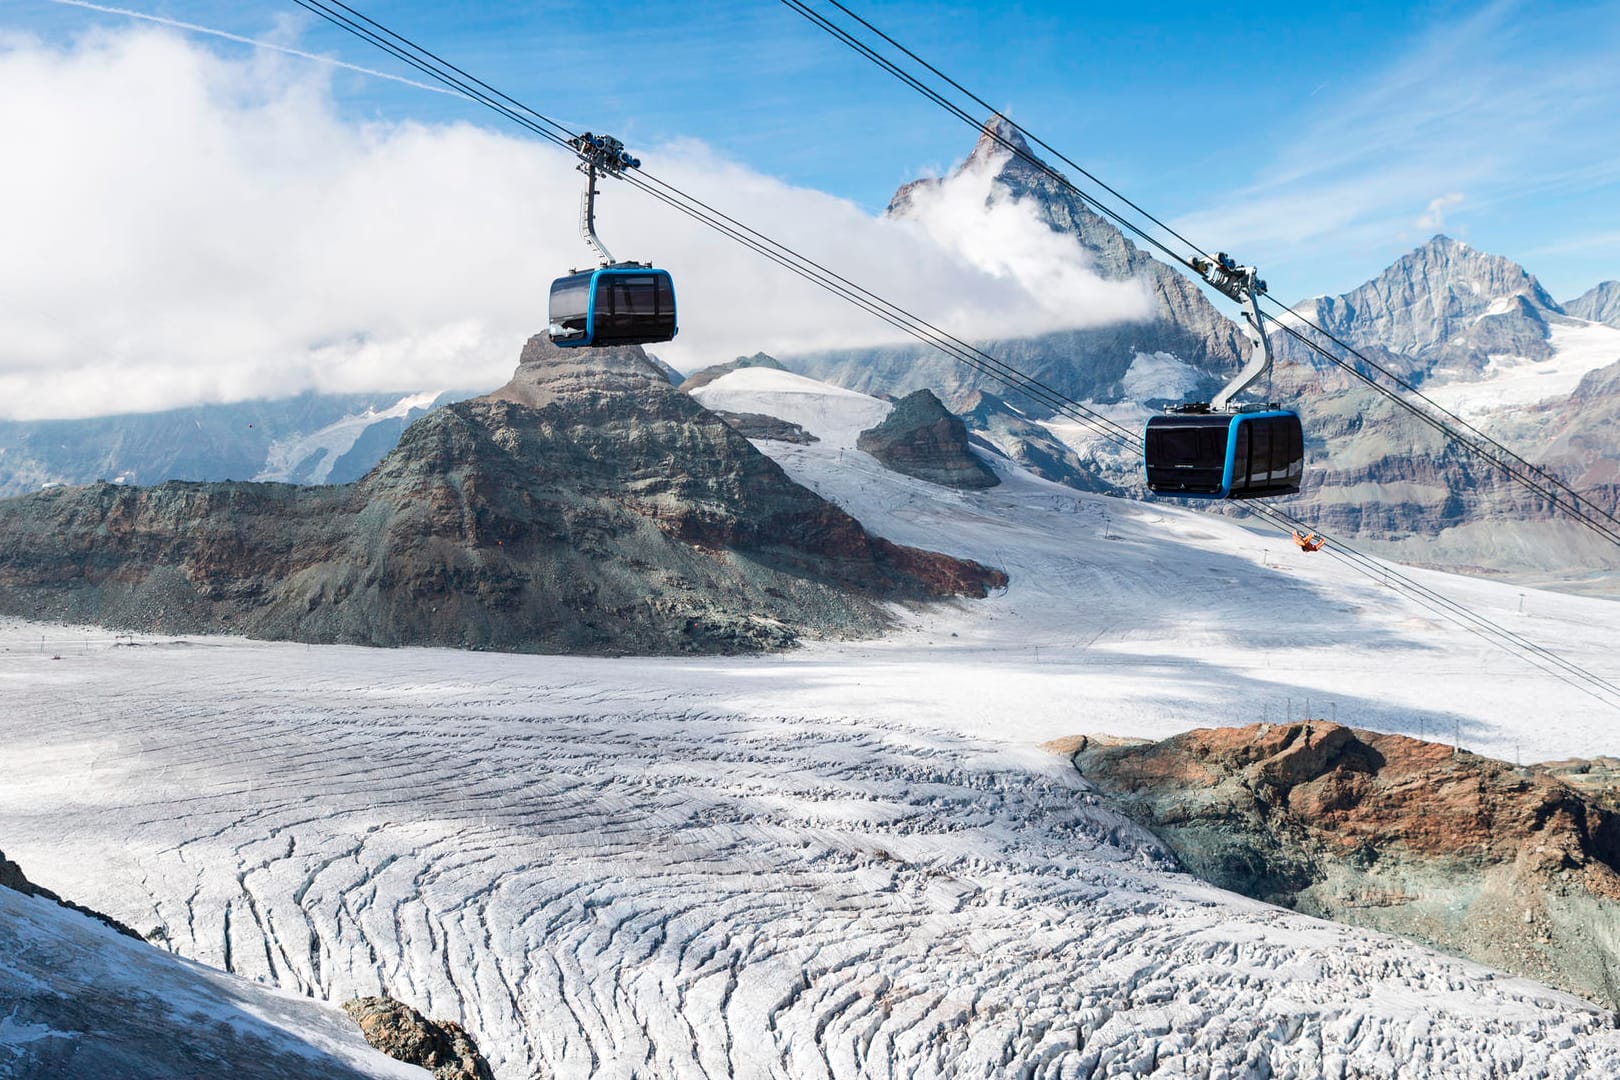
x: 849, y: 860
x: 679, y: 890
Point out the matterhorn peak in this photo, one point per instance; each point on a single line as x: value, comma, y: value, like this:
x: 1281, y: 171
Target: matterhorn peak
x: 999, y: 136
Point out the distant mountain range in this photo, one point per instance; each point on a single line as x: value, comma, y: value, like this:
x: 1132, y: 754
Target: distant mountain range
x: 308, y: 439
x: 1476, y: 332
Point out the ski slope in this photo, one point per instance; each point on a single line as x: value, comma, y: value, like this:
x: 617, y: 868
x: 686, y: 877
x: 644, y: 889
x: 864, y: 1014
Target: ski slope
x: 850, y: 860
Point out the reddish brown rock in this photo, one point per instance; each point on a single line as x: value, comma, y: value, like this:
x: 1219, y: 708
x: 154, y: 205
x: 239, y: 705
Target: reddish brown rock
x: 1510, y: 866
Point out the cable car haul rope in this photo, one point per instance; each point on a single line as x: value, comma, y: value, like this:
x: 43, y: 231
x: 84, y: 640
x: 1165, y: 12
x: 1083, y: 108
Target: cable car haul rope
x: 1258, y: 448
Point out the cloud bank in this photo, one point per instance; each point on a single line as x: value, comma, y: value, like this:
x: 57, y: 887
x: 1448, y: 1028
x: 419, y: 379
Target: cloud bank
x: 191, y: 228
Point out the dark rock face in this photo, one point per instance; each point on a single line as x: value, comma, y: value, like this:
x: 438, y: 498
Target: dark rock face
x: 1512, y: 867
x: 1601, y: 303
x: 406, y: 1035
x: 587, y: 506
x: 1083, y: 364
x: 769, y: 428
x: 920, y: 438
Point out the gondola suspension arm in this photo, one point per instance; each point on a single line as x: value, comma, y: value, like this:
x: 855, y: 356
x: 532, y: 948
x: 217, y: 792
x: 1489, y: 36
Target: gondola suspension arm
x: 598, y: 153
x: 1243, y: 284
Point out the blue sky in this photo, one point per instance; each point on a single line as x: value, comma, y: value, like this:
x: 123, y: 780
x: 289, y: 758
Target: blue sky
x: 1319, y: 141
x: 252, y: 222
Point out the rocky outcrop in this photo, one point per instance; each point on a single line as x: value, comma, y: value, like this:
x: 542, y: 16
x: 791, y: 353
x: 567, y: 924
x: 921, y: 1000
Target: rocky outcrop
x: 920, y: 438
x: 770, y: 428
x: 587, y: 506
x: 13, y: 878
x: 1601, y: 303
x: 406, y: 1035
x: 1509, y: 866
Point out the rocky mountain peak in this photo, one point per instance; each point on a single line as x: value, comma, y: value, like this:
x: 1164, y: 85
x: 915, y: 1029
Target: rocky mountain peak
x: 1601, y: 303
x: 547, y: 373
x: 587, y: 506
x: 999, y: 138
x: 1085, y: 364
x: 1444, y: 304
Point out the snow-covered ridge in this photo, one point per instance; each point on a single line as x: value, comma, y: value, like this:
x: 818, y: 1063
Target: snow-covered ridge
x: 1578, y: 347
x: 831, y: 413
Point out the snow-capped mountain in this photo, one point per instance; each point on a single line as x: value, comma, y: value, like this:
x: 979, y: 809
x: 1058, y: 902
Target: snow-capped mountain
x: 1480, y: 338
x: 1184, y: 332
x: 1443, y: 310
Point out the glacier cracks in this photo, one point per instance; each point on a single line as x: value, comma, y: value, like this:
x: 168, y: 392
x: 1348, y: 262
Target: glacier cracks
x: 658, y: 891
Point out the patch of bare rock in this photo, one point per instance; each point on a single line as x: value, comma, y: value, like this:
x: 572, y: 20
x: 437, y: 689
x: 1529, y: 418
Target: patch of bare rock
x: 1518, y: 868
x: 406, y: 1035
x: 585, y: 507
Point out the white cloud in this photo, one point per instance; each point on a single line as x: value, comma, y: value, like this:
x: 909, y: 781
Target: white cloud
x: 193, y: 228
x: 1434, y: 217
x: 973, y: 215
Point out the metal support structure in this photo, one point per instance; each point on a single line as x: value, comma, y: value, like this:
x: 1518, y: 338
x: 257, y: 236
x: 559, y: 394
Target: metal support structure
x: 587, y: 215
x: 1243, y: 284
x: 607, y: 154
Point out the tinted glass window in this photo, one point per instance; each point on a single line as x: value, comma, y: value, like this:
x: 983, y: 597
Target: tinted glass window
x: 1240, y: 458
x: 635, y: 296
x: 1260, y: 450
x: 570, y: 296
x: 570, y: 299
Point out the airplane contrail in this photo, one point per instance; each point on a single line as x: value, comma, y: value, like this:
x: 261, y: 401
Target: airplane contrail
x: 194, y: 28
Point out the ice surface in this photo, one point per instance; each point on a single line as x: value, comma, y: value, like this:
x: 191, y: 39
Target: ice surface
x: 1159, y: 376
x: 833, y: 414
x: 80, y: 1002
x: 849, y: 860
x: 1513, y: 381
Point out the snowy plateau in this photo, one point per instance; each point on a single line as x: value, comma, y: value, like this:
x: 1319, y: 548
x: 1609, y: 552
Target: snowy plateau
x: 851, y: 859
